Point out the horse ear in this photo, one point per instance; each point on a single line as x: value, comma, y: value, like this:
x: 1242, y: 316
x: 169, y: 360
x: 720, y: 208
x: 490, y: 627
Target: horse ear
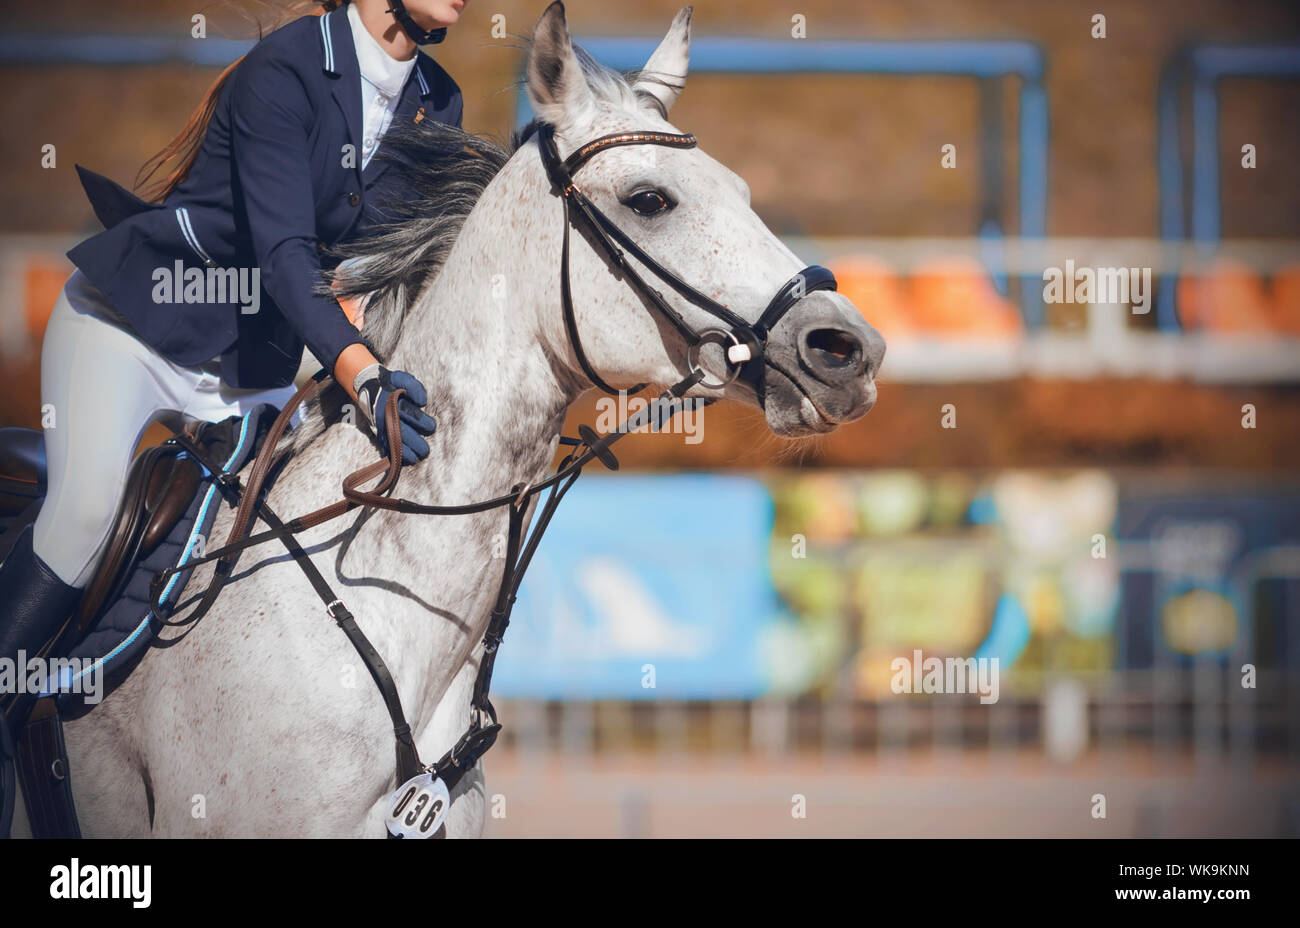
x: 664, y: 75
x: 556, y: 86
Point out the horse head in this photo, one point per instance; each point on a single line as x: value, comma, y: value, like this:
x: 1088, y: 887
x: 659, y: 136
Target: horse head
x: 817, y: 367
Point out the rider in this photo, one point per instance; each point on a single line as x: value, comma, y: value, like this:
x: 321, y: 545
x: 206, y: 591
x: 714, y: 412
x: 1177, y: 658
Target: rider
x: 197, y: 306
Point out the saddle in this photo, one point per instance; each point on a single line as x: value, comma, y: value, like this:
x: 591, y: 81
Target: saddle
x: 169, y: 500
x: 159, y: 487
x: 169, y: 504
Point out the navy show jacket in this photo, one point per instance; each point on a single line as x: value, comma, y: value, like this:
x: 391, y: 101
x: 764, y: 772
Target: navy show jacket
x: 274, y: 184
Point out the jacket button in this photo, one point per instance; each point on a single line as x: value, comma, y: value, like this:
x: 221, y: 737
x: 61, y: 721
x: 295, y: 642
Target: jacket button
x: 354, y: 199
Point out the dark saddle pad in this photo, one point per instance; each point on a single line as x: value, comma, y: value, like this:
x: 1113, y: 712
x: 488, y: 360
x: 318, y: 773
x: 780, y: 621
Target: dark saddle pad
x: 168, y: 507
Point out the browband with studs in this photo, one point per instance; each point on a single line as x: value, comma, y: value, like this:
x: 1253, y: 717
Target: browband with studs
x: 575, y: 160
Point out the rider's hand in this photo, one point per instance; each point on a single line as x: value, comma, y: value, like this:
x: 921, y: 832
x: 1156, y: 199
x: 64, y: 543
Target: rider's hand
x: 373, y: 387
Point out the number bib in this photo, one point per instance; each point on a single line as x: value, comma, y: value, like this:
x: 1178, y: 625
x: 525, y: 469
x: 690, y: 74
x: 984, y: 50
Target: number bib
x: 417, y: 808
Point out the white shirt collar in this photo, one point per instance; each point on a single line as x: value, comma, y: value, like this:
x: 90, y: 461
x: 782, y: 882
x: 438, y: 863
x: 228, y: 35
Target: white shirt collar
x: 386, y: 73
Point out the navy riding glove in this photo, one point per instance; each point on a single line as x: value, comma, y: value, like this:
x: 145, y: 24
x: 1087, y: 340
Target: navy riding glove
x: 374, y: 385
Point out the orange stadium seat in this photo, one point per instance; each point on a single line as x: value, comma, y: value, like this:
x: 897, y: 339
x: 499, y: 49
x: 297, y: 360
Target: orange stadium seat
x: 1285, y: 306
x: 877, y: 293
x: 956, y: 296
x: 43, y: 280
x: 1228, y: 297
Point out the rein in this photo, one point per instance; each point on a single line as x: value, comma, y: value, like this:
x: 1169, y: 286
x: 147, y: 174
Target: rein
x: 742, y: 342
x: 520, y: 547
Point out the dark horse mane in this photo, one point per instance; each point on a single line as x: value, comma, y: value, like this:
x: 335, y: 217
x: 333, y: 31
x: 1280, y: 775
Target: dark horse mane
x: 437, y: 173
x: 440, y: 172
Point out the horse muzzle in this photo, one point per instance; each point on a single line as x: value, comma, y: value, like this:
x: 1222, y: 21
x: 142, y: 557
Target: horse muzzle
x: 818, y: 369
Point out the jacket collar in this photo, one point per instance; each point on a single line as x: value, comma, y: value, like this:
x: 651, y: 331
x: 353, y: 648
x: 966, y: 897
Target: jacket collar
x: 329, y: 27
x: 340, y: 63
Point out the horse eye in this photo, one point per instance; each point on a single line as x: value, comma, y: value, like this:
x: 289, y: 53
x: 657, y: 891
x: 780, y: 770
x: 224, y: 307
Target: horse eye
x: 648, y: 203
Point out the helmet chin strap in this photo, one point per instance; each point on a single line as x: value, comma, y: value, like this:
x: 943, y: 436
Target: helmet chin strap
x: 411, y: 28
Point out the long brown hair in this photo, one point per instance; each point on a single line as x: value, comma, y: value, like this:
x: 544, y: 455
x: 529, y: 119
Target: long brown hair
x: 184, y: 148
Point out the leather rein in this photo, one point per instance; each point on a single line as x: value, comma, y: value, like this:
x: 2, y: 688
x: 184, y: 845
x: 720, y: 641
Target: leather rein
x: 742, y: 342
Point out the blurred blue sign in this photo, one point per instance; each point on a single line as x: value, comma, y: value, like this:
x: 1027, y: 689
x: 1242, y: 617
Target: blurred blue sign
x: 645, y: 580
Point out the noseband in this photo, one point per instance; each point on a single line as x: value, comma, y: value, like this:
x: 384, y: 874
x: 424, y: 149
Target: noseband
x: 743, y: 342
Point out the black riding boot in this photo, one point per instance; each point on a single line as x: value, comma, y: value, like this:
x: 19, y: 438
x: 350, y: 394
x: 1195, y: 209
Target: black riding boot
x: 34, y: 602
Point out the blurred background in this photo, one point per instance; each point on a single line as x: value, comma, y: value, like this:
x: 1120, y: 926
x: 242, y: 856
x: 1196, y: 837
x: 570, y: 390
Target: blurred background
x: 1100, y: 496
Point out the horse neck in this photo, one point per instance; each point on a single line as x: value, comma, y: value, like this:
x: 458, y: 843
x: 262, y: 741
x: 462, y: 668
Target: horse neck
x: 474, y: 337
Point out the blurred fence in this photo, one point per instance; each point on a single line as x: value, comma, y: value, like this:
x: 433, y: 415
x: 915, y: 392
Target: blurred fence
x: 936, y: 302
x: 989, y: 768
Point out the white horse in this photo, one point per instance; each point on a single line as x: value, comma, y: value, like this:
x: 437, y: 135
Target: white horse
x: 262, y: 721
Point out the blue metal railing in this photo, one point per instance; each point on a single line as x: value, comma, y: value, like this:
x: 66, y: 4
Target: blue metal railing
x: 1202, y: 66
x: 17, y: 48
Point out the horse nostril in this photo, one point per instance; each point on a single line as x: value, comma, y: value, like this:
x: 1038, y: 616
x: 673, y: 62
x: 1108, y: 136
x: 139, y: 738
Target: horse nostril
x: 834, y: 347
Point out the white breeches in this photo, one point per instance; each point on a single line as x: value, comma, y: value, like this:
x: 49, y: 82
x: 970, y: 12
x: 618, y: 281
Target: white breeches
x: 101, y: 387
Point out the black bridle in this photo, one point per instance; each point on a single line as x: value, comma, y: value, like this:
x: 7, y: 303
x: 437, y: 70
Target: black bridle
x: 743, y: 342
